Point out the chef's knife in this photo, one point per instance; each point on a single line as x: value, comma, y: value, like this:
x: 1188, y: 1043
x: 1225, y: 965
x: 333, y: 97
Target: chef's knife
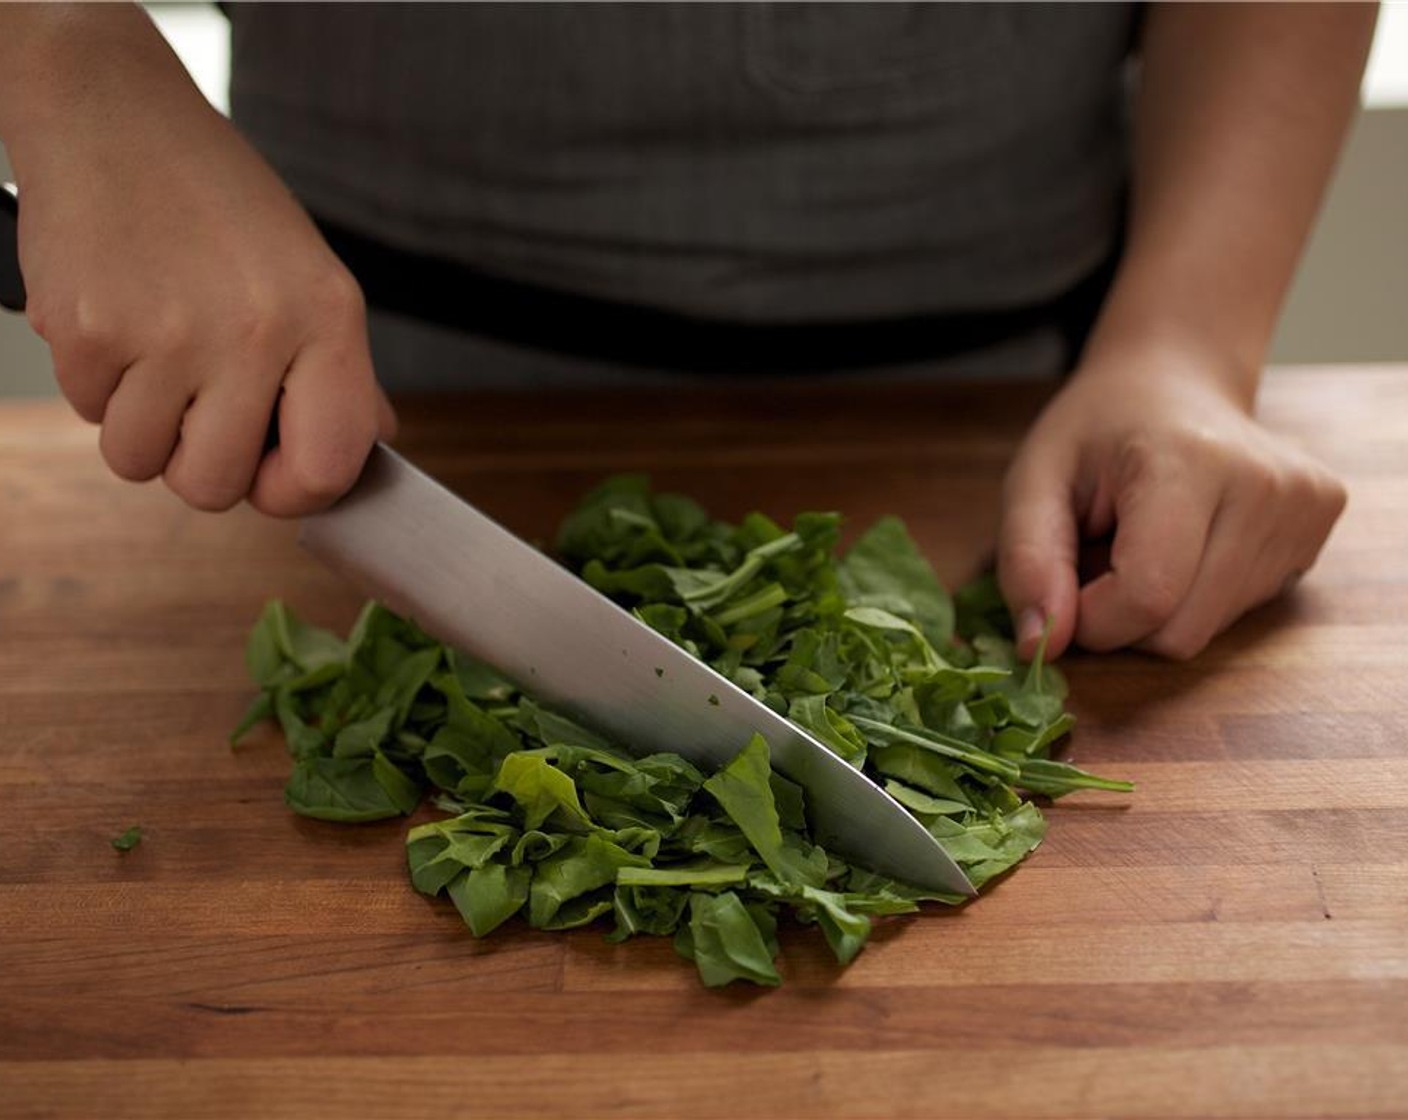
x: 469, y: 582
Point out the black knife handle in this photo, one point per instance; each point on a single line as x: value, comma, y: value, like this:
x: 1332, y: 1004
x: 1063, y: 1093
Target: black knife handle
x: 12, y: 294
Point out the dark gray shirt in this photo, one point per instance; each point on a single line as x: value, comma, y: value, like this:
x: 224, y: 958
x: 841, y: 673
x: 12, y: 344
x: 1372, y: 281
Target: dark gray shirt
x: 754, y: 162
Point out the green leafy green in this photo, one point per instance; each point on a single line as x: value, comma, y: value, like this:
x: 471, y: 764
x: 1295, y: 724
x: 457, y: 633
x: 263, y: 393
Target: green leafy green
x: 350, y: 789
x: 726, y: 942
x: 489, y: 895
x: 743, y: 789
x: 885, y: 569
x: 548, y: 820
x: 541, y: 790
x: 128, y: 840
x: 582, y: 865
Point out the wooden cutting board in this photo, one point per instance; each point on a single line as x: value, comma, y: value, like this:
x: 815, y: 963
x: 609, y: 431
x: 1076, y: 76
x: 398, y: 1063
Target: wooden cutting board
x: 1231, y: 940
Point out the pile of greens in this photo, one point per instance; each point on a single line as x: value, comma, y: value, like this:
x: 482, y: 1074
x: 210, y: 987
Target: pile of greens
x: 867, y: 652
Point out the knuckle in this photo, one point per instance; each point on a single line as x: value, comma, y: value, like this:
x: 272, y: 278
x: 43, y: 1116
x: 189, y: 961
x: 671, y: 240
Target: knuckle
x: 44, y: 316
x: 84, y: 387
x: 1180, y: 645
x: 128, y: 460
x: 1302, y: 492
x: 174, y: 333
x: 71, y: 329
x: 1264, y: 485
x: 273, y: 506
x: 53, y: 315
x: 251, y: 329
x: 1333, y: 494
x: 1154, y: 597
x: 1313, y: 500
x: 1182, y: 454
x: 1135, y: 457
x: 255, y: 323
x: 93, y: 327
x: 1147, y: 460
x: 209, y: 495
x: 90, y: 411
x: 330, y: 473
x: 1303, y: 559
x: 1192, y: 444
x: 216, y: 501
x: 338, y: 297
x: 206, y: 483
x: 1019, y: 562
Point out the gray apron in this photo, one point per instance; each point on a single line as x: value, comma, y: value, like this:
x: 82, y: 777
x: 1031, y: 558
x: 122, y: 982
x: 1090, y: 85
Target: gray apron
x: 752, y: 163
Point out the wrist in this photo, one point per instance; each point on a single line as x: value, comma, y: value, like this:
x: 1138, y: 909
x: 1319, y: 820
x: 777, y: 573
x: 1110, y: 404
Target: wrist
x: 1139, y: 329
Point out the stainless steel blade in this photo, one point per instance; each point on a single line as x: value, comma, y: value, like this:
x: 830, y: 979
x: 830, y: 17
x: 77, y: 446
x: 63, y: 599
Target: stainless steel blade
x: 435, y: 558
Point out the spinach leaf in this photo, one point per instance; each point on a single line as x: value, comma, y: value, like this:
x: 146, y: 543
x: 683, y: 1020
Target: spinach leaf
x: 648, y: 910
x: 349, y: 789
x: 542, y: 791
x: 724, y: 941
x: 582, y: 865
x: 128, y: 840
x: 885, y: 569
x: 1053, y: 778
x: 489, y: 895
x: 700, y: 875
x: 744, y: 790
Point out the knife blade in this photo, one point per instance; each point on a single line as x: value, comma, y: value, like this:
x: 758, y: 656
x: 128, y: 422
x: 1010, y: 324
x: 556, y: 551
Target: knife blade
x: 467, y: 581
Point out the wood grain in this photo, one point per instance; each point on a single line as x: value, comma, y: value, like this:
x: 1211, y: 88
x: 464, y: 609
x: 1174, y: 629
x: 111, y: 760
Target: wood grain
x: 1230, y: 941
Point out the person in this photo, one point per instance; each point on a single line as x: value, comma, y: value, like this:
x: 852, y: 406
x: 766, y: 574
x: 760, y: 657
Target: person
x: 187, y: 296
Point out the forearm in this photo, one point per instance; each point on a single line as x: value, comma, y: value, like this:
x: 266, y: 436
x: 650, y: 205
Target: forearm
x: 63, y: 66
x: 1240, y: 116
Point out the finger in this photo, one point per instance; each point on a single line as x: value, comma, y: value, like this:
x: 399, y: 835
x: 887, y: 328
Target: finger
x: 91, y: 350
x: 1258, y: 548
x: 87, y: 379
x: 329, y: 417
x: 1233, y: 562
x: 142, y: 422
x: 222, y: 437
x: 1162, y: 519
x: 1036, y: 554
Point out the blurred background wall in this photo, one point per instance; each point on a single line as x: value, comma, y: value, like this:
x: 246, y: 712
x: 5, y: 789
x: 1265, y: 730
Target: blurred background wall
x: 1349, y: 302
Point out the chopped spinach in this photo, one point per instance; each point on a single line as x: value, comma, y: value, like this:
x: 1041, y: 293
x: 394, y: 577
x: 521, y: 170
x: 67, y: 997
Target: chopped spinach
x: 867, y: 652
x: 128, y: 840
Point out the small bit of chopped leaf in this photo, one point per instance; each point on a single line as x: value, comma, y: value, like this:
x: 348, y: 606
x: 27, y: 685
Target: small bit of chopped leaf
x: 128, y: 840
x: 547, y: 820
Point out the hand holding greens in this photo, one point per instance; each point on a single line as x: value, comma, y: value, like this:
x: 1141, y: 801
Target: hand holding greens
x: 867, y: 652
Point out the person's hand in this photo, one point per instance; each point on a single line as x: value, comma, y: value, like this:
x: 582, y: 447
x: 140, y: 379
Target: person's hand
x: 1211, y: 515
x: 185, y: 295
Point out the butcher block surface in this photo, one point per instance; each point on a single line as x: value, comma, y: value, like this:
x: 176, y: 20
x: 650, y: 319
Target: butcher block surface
x: 1229, y: 940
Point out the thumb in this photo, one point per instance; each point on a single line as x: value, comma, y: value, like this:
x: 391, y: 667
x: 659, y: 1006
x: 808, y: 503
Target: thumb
x: 1036, y: 553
